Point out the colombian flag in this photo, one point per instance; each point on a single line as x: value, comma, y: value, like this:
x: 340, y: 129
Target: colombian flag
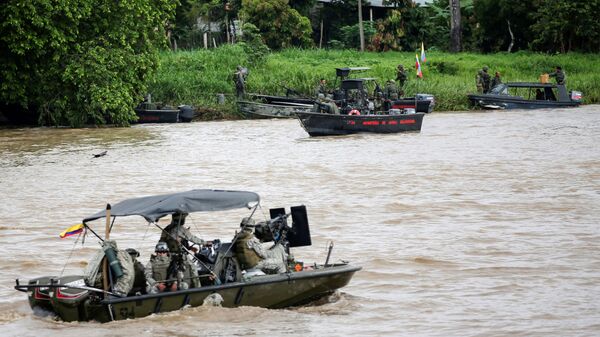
x: 418, y: 66
x: 72, y: 231
x: 423, y: 58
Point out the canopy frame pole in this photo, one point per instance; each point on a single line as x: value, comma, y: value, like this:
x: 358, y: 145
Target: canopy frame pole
x: 105, y: 261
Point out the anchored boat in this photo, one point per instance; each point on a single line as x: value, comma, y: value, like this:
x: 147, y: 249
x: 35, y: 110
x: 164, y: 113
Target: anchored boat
x: 78, y: 298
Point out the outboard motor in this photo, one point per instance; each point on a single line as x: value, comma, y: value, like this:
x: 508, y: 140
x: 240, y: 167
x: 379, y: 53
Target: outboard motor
x: 576, y: 96
x: 186, y: 113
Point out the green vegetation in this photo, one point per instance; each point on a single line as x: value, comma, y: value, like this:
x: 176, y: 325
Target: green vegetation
x: 196, y: 77
x: 77, y: 62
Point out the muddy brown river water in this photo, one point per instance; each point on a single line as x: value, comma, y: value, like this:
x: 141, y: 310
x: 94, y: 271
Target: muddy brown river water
x: 482, y: 224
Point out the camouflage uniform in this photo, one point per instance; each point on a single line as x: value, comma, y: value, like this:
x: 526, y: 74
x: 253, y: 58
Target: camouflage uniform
x: 139, y: 281
x: 175, y: 235
x: 486, y: 80
x: 239, y: 79
x: 251, y: 253
x: 390, y: 90
x: 321, y: 89
x: 559, y: 75
x: 157, y: 271
x: 479, y: 81
x: 401, y: 77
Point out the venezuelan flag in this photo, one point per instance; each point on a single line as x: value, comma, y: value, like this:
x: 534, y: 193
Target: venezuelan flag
x: 72, y: 231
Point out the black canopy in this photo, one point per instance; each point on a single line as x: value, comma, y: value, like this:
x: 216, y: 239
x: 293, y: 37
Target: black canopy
x: 155, y: 207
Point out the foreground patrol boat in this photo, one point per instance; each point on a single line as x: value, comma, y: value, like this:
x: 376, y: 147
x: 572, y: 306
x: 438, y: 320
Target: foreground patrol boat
x: 73, y: 298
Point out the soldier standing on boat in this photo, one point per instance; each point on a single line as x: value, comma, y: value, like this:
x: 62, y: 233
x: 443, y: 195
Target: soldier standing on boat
x: 239, y: 77
x: 176, y: 236
x: 401, y: 77
x: 559, y: 75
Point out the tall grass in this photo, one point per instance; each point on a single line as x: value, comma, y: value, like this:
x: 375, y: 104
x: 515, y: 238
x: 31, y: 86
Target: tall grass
x: 196, y: 77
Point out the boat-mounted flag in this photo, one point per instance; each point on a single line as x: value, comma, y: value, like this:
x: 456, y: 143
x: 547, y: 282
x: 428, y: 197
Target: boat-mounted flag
x: 72, y: 231
x: 418, y: 66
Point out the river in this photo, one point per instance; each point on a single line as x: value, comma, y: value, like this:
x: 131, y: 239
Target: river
x: 482, y: 224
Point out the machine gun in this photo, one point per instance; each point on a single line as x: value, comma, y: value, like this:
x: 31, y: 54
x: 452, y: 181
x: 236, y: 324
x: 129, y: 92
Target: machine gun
x: 274, y: 230
x: 277, y: 229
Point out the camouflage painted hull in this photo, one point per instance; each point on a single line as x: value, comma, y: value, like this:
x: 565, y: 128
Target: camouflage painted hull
x: 283, y: 290
x: 264, y: 110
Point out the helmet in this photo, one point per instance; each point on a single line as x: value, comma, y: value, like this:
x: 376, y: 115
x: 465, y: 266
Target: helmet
x: 161, y: 246
x: 178, y: 217
x: 247, y: 223
x: 133, y: 252
x: 485, y: 68
x: 400, y: 66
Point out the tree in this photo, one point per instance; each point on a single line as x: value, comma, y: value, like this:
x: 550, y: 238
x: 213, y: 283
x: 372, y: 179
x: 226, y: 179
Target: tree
x: 455, y: 26
x: 279, y: 25
x: 567, y: 25
x: 80, y: 61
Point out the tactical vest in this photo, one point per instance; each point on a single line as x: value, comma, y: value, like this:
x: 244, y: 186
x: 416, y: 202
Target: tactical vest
x: 160, y: 267
x: 246, y: 256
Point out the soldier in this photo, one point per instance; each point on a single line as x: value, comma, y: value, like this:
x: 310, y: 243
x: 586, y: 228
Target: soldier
x: 157, y: 271
x: 333, y: 108
x: 559, y: 75
x: 239, y: 77
x: 176, y: 236
x: 390, y: 90
x: 479, y: 81
x: 252, y: 255
x: 496, y: 80
x: 401, y: 77
x: 139, y: 281
x: 485, y: 79
x: 321, y: 87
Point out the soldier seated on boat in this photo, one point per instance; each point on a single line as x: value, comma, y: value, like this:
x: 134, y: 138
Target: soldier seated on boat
x: 159, y: 273
x: 251, y: 254
x: 139, y: 280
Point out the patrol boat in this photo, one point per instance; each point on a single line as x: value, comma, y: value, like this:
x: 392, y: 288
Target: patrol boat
x: 74, y: 298
x: 525, y: 95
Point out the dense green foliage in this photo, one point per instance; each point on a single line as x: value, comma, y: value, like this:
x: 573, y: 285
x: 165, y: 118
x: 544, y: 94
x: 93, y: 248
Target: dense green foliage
x: 196, y: 77
x: 80, y: 61
x: 280, y: 25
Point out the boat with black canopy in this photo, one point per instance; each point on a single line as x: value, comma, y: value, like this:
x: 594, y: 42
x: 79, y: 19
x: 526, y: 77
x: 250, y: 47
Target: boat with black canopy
x: 79, y: 298
x: 526, y: 95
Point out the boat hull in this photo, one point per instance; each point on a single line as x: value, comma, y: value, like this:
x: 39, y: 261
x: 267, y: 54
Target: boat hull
x: 183, y: 113
x: 268, y: 291
x: 258, y: 110
x: 508, y: 102
x: 319, y: 124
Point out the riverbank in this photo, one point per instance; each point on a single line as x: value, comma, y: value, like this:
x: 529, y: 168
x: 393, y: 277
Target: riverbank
x: 196, y: 77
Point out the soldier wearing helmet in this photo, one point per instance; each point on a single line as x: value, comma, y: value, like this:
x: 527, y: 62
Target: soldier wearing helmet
x: 158, y: 275
x: 252, y: 255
